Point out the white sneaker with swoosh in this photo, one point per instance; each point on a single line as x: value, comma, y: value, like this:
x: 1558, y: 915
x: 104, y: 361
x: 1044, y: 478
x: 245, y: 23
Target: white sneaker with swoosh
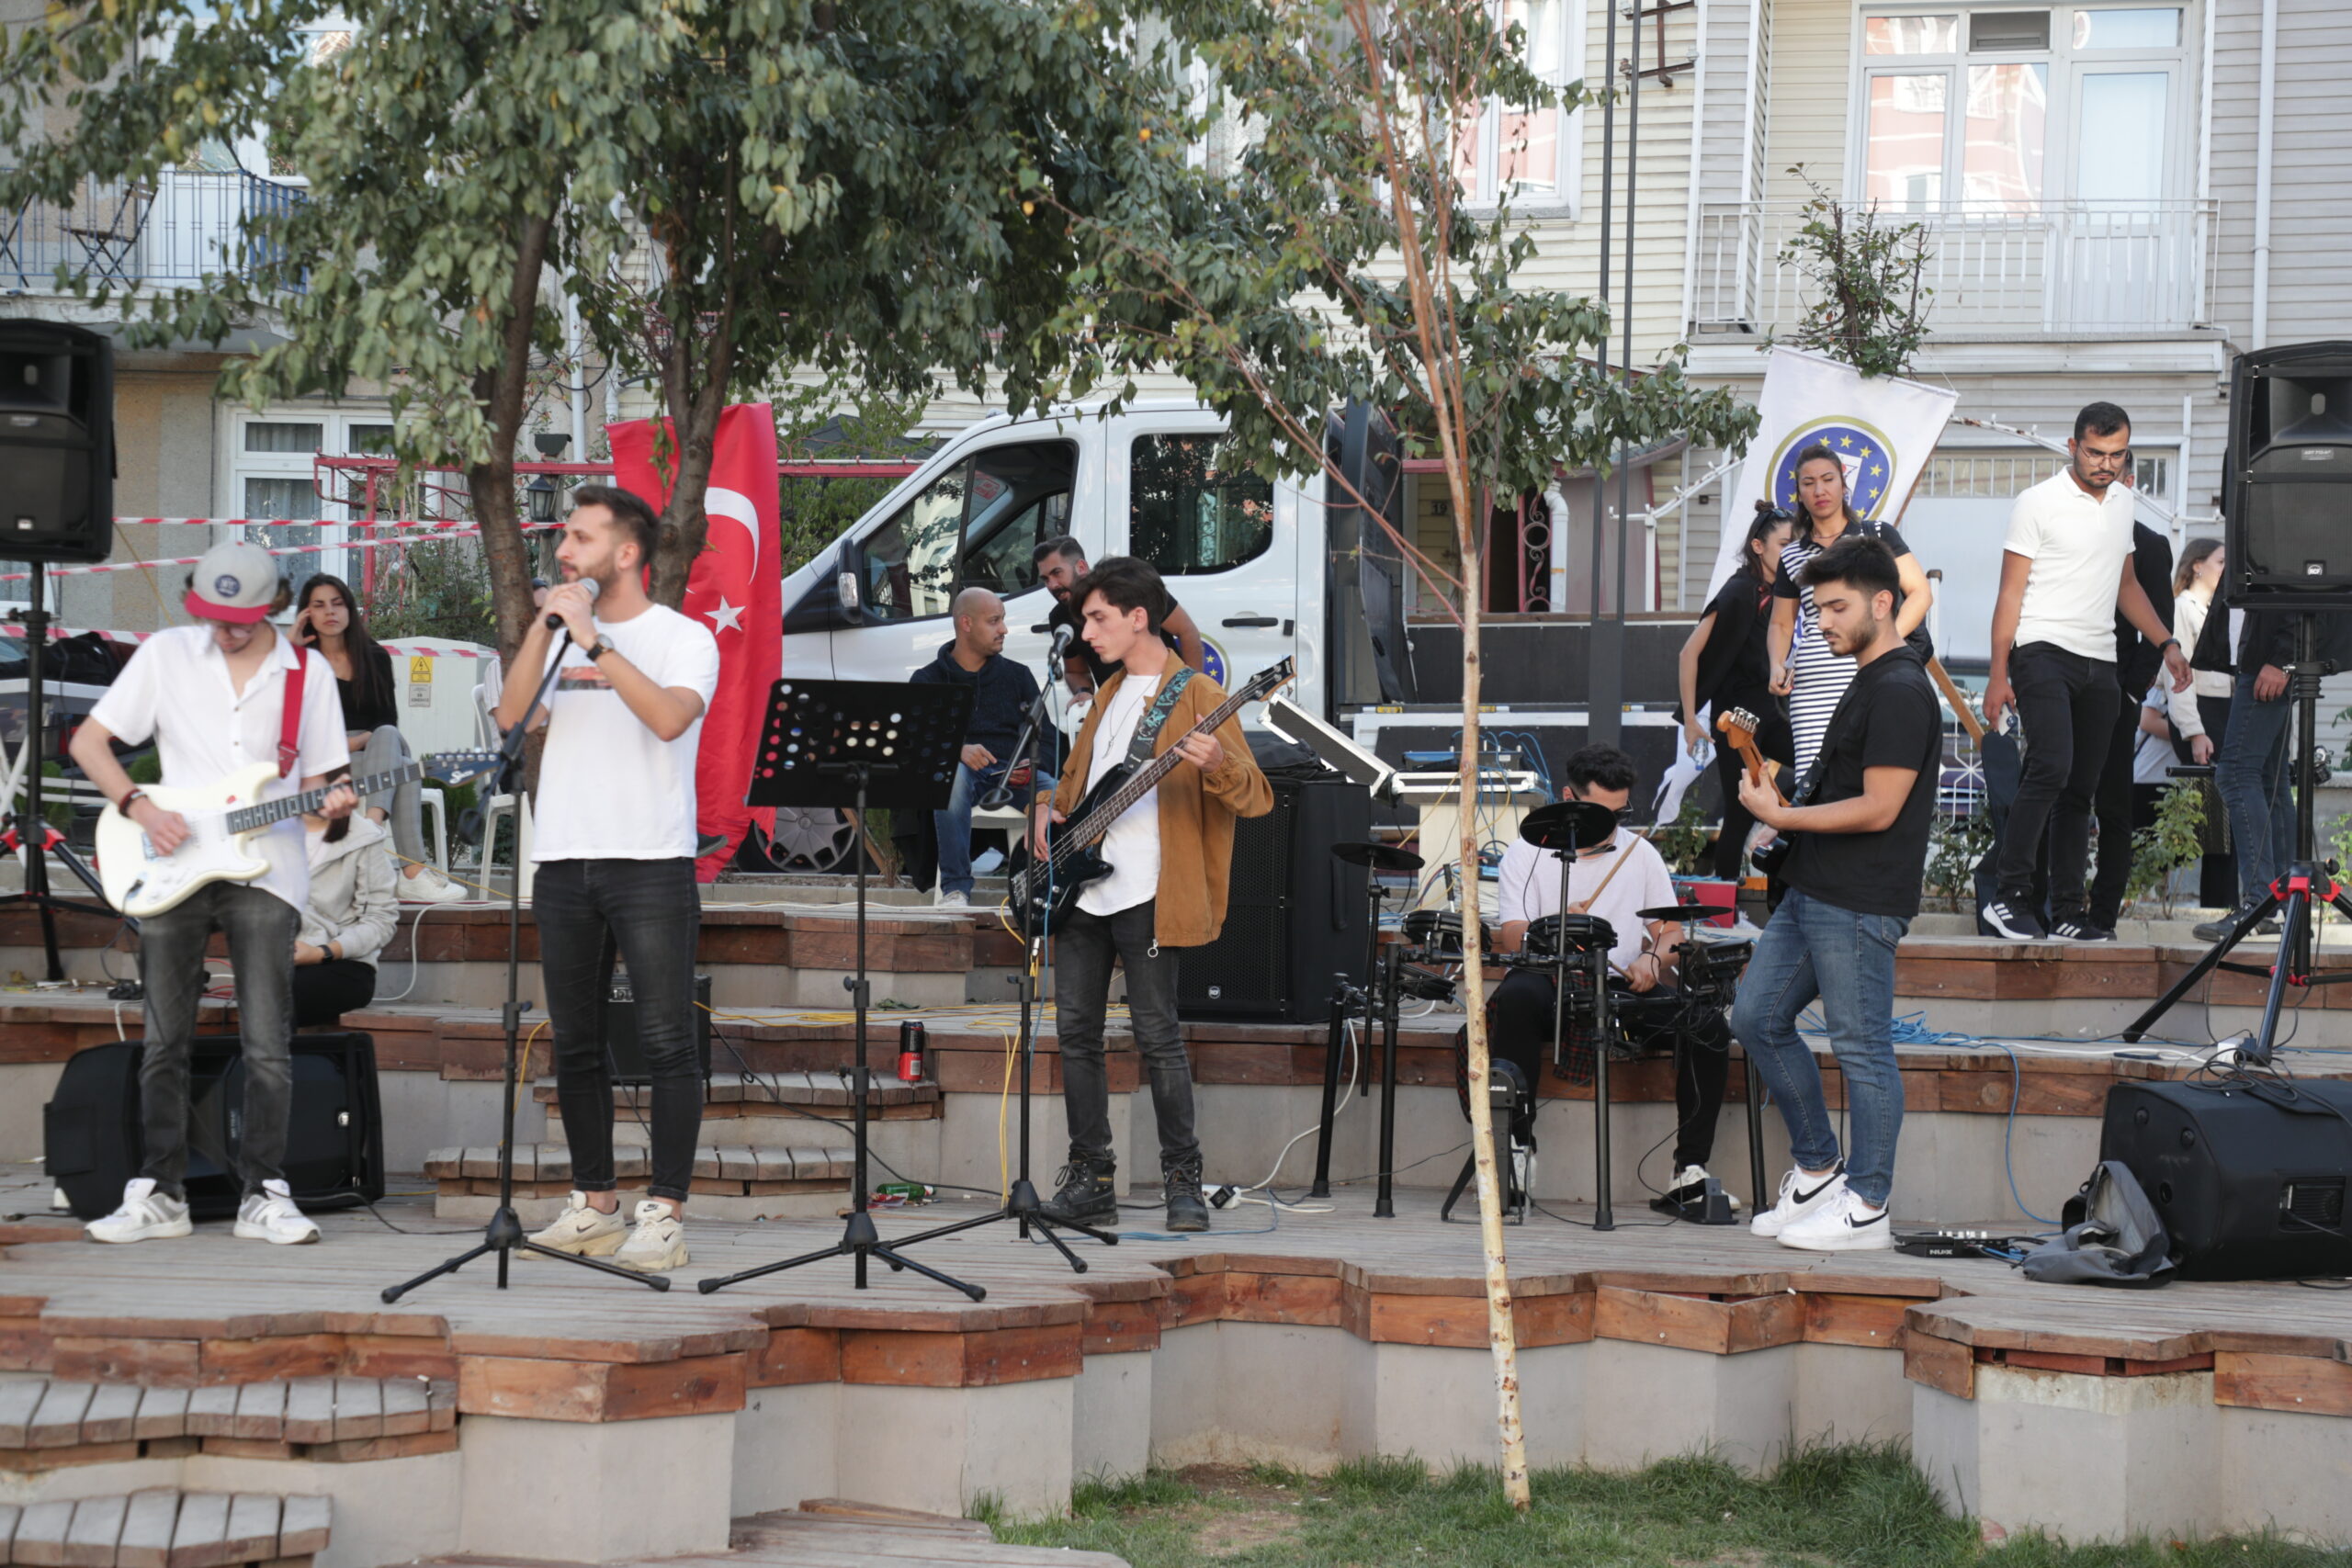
x: 1800, y: 1196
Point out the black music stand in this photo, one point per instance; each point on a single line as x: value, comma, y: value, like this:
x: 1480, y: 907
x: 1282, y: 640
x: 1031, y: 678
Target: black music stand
x: 859, y: 744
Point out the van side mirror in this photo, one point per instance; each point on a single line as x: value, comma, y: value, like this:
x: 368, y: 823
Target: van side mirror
x: 845, y: 587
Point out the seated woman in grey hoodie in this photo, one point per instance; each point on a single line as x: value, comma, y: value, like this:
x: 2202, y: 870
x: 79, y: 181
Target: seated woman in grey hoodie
x: 353, y: 910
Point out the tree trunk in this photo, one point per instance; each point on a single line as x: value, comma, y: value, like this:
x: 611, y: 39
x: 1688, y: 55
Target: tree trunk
x: 490, y: 482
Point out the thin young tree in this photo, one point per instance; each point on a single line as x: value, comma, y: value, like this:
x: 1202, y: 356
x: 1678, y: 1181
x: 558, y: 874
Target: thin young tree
x: 1336, y: 256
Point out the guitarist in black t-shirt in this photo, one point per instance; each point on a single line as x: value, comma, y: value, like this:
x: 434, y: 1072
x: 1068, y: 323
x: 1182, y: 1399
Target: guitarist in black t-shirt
x: 1859, y: 828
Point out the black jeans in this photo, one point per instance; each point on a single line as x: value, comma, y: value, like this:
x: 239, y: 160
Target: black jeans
x: 1083, y: 951
x: 1519, y: 1017
x: 1774, y: 741
x: 648, y: 912
x: 2067, y: 704
x: 260, y: 928
x: 325, y: 992
x: 2118, y: 818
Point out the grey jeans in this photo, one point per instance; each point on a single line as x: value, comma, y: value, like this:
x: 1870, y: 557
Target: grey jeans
x: 260, y: 928
x: 388, y: 748
x: 1084, y: 949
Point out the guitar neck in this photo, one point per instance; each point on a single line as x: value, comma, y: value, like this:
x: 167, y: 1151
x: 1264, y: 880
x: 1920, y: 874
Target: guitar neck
x: 1141, y: 783
x: 249, y: 819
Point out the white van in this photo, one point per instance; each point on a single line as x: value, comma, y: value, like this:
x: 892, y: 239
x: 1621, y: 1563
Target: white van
x: 1253, y: 563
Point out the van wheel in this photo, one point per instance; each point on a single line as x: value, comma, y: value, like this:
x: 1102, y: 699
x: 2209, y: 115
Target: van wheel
x: 811, y: 839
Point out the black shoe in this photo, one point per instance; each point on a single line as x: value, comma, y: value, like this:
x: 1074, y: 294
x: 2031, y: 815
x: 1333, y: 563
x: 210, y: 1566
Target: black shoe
x: 2080, y: 929
x: 2012, y: 920
x: 1181, y: 1179
x: 1083, y: 1194
x: 2214, y: 931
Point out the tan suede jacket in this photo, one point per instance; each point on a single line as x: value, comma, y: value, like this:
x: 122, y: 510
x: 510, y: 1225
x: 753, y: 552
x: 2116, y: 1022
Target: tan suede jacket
x: 1196, y: 810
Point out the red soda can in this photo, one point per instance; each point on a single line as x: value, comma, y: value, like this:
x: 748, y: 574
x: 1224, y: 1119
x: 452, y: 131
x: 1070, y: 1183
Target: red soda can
x: 911, y: 1045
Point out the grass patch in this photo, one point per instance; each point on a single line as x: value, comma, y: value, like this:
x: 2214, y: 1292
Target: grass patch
x: 1848, y: 1505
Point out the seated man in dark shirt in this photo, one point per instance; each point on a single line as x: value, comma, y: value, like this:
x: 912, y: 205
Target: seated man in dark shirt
x: 1060, y: 564
x: 1002, y: 692
x: 1858, y: 850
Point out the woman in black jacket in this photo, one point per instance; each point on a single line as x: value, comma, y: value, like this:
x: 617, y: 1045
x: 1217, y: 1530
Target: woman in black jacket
x: 1726, y: 664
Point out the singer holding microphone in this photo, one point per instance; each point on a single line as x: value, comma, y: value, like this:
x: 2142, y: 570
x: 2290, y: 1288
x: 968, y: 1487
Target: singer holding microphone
x: 614, y: 846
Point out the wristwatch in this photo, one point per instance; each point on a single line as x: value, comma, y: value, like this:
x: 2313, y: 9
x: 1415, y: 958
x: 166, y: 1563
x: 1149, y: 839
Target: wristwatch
x: 2168, y: 642
x: 603, y: 647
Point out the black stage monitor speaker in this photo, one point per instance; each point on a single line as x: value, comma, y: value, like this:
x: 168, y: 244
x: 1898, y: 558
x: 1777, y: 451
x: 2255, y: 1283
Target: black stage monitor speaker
x: 335, y: 1141
x: 1294, y: 913
x: 2288, y: 498
x: 2249, y: 1177
x: 627, y: 1056
x: 56, y: 443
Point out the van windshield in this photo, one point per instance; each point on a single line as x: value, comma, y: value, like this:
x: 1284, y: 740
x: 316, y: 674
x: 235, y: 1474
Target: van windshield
x: 974, y: 526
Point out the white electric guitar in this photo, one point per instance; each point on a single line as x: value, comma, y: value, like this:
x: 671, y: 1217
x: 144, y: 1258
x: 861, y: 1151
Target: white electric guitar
x: 222, y: 820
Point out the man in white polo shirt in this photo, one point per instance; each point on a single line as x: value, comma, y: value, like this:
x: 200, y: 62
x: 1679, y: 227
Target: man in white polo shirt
x: 220, y: 696
x: 2066, y: 575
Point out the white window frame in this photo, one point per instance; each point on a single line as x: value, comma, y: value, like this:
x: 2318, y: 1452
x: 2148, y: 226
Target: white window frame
x: 237, y: 465
x: 1479, y: 192
x: 2066, y: 67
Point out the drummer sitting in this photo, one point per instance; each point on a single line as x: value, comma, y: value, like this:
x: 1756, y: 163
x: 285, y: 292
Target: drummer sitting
x: 1614, y: 879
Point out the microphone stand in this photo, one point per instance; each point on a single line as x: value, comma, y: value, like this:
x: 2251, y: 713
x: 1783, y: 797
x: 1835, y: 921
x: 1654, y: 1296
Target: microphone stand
x: 504, y: 1234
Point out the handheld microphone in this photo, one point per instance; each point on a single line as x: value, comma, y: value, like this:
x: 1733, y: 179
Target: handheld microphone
x: 555, y: 623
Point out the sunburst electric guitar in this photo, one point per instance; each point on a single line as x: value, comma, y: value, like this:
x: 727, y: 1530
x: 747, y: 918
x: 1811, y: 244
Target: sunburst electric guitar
x: 1738, y: 726
x: 222, y: 820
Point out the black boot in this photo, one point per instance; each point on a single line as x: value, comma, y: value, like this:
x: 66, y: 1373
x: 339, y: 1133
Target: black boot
x: 1085, y: 1196
x: 1182, y: 1180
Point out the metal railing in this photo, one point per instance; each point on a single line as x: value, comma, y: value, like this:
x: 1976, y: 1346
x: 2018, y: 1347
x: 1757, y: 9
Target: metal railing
x: 182, y: 228
x: 2059, y: 268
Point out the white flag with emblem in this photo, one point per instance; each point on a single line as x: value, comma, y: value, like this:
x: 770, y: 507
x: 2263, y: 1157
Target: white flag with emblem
x: 1883, y: 428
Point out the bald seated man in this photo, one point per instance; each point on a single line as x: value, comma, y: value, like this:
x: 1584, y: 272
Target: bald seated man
x: 1002, y: 692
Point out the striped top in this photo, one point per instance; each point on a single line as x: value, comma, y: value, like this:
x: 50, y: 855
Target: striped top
x: 1820, y: 676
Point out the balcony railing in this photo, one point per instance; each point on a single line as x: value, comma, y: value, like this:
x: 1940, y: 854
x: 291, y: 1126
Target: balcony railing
x: 2062, y: 268
x: 182, y: 228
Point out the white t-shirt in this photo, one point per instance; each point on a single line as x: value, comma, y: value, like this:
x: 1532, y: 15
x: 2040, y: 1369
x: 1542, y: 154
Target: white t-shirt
x: 2077, y: 546
x: 1132, y: 846
x: 1527, y: 886
x: 176, y: 688
x: 609, y: 787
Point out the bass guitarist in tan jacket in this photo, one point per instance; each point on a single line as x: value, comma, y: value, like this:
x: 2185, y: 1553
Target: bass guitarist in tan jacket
x: 1168, y: 855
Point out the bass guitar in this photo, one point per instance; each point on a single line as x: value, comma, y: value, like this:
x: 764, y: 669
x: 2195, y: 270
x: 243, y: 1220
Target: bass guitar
x: 1043, y: 893
x: 1739, y: 727
x: 221, y: 819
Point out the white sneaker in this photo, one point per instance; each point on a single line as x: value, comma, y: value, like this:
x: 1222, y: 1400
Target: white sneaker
x: 145, y: 1215
x: 270, y: 1216
x: 1690, y: 1186
x: 1797, y: 1199
x: 657, y: 1243
x: 583, y: 1231
x: 429, y: 886
x: 1844, y: 1223
x: 951, y: 901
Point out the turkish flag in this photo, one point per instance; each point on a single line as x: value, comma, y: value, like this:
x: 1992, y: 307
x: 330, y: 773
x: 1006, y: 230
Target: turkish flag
x: 736, y: 590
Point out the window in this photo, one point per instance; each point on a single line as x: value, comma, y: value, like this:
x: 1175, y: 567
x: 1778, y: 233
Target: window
x: 973, y: 526
x: 1997, y: 474
x: 1991, y: 112
x: 1528, y: 155
x: 1188, y: 513
x: 272, y: 480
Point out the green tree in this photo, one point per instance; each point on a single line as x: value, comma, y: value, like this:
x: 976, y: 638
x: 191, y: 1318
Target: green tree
x: 1870, y: 300
x: 1334, y: 259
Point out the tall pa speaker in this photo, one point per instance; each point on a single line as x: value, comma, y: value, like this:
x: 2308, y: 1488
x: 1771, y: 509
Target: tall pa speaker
x: 1294, y: 914
x: 2288, y: 498
x: 94, y: 1140
x: 2248, y: 1177
x: 56, y: 442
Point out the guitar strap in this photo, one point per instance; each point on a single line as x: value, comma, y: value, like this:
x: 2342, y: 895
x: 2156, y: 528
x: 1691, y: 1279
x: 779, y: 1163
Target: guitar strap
x: 1147, y: 729
x: 289, y: 723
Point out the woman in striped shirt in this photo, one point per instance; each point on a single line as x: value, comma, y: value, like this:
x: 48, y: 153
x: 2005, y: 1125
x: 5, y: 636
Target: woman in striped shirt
x: 1803, y: 669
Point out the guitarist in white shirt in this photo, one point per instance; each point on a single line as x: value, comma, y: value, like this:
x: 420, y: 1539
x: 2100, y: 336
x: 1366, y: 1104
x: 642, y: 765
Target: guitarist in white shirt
x: 1168, y: 855
x: 215, y: 696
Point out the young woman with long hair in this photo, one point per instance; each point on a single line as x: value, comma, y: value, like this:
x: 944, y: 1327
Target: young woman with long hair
x: 1803, y: 669
x: 1726, y: 664
x: 327, y: 619
x: 2201, y: 714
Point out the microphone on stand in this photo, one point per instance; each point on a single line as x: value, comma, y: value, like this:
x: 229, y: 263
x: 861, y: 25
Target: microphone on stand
x: 555, y: 623
x: 1063, y: 636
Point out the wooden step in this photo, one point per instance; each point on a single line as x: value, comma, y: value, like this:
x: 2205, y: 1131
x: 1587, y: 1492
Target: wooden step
x: 47, y: 1424
x: 777, y: 1094
x: 729, y: 1182
x: 166, y: 1529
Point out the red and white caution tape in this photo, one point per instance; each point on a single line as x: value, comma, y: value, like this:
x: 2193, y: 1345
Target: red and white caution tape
x: 443, y: 525
x: 396, y: 542
x: 406, y: 649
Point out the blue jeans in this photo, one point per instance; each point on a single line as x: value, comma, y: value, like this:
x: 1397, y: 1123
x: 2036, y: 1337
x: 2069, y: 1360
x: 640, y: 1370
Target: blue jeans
x: 954, y: 825
x: 2251, y: 772
x: 1812, y: 950
x: 649, y: 913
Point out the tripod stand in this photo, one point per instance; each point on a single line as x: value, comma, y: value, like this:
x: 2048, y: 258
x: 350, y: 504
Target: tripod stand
x: 29, y: 830
x: 504, y: 1234
x: 820, y: 736
x: 2308, y: 880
